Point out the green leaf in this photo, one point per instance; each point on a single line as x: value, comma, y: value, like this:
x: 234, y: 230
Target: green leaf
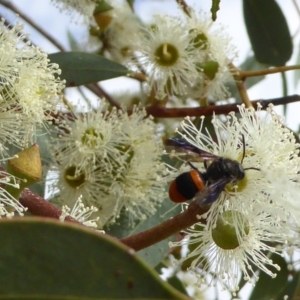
x: 47, y: 259
x: 155, y: 253
x: 121, y: 228
x: 268, y: 31
x: 38, y: 188
x: 79, y: 68
x: 290, y: 288
x: 175, y: 282
x: 74, y: 44
x: 214, y: 8
x: 267, y: 287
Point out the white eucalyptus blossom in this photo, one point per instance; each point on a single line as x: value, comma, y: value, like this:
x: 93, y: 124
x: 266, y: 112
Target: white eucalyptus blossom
x: 89, y: 136
x: 80, y: 213
x: 265, y: 202
x: 8, y: 204
x: 269, y: 147
x: 213, y: 53
x: 29, y: 88
x: 124, y: 24
x: 142, y: 174
x: 117, y: 167
x: 224, y: 253
x: 164, y: 51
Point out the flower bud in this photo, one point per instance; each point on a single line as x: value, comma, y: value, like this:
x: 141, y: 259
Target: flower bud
x: 227, y: 234
x: 26, y: 165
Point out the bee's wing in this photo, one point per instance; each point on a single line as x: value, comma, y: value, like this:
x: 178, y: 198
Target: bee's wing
x: 212, y: 192
x: 189, y: 151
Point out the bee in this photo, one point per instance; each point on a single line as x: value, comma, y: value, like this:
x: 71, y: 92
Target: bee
x: 207, y: 186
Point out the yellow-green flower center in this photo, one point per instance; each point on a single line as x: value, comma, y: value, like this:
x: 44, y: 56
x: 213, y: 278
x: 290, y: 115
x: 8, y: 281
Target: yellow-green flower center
x: 166, y: 55
x: 90, y: 137
x: 73, y: 177
x: 200, y: 41
x: 238, y: 186
x: 225, y: 233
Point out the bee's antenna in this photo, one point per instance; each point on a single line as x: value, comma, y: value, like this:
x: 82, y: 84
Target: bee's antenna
x: 257, y: 169
x: 244, y: 148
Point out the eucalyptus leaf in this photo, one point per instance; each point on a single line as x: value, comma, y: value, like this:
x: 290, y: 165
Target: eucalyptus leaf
x: 48, y: 259
x: 121, y: 228
x: 155, y: 253
x: 79, y: 68
x: 74, y: 45
x: 175, y: 282
x: 268, y: 31
x: 290, y: 288
x: 267, y: 287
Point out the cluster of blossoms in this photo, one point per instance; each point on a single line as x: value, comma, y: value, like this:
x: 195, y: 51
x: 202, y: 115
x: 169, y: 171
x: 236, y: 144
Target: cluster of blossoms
x: 123, y: 22
x: 113, y: 160
x: 29, y: 95
x: 255, y: 216
x: 183, y: 57
x: 29, y: 88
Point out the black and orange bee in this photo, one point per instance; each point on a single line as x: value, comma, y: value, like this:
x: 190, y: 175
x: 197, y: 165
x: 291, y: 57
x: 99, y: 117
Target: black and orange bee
x: 207, y: 186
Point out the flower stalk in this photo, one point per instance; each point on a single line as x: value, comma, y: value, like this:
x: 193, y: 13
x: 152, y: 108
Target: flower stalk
x: 166, y: 229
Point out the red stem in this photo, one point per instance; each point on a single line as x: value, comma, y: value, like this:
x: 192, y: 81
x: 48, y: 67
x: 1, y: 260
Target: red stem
x: 40, y: 207
x: 181, y: 112
x: 166, y: 229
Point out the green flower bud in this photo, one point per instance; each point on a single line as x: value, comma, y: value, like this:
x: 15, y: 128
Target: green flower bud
x: 224, y: 234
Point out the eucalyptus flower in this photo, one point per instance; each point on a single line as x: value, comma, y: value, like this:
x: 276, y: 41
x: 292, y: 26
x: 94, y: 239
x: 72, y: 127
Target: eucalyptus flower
x: 29, y: 90
x: 164, y: 51
x: 256, y: 214
x: 124, y: 23
x: 213, y: 53
x: 239, y: 243
x: 80, y: 213
x: 114, y: 161
x: 8, y: 204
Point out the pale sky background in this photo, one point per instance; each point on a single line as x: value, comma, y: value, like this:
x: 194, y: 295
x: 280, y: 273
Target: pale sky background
x: 230, y: 15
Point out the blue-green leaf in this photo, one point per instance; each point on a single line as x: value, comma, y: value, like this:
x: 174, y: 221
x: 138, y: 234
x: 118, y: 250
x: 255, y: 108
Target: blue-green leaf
x: 47, y: 259
x: 267, y: 287
x: 79, y: 68
x: 155, y: 253
x: 268, y: 31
